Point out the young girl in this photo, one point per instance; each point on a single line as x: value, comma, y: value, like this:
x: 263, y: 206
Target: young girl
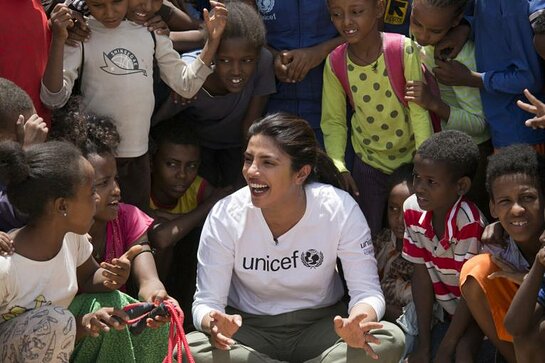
x: 459, y: 107
x: 116, y: 228
x: 385, y: 134
x: 115, y: 71
x: 395, y: 272
x: 231, y: 98
x: 54, y: 186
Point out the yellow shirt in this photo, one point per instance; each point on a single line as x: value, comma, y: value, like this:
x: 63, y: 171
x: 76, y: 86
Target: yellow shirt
x: 192, y: 197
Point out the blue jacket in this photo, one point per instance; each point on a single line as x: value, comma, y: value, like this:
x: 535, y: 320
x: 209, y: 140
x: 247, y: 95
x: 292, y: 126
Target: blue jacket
x: 506, y: 56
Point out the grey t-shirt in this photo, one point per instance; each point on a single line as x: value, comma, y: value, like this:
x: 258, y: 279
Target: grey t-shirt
x: 217, y: 120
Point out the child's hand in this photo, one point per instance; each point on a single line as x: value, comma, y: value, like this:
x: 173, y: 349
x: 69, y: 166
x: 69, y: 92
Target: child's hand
x: 61, y: 21
x: 215, y: 21
x: 299, y: 62
x: 32, y: 131
x: 158, y: 25
x: 117, y: 273
x: 419, y: 93
x: 541, y: 255
x: 6, y: 245
x: 494, y: 234
x: 453, y: 73
x: 281, y: 62
x: 506, y: 271
x: 536, y: 107
x: 102, y: 320
x: 80, y: 32
x: 182, y: 101
x: 349, y: 184
x: 453, y: 42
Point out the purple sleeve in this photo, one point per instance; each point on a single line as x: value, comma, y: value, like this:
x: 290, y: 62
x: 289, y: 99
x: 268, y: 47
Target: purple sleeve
x: 9, y: 218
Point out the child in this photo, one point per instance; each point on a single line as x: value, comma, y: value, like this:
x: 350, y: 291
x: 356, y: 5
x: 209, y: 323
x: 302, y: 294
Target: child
x: 459, y: 107
x: 489, y: 281
x: 115, y: 70
x: 524, y: 319
x: 443, y: 230
x: 385, y: 134
x: 507, y: 63
x: 54, y: 186
x: 232, y: 97
x: 394, y: 271
x: 116, y: 228
x: 18, y: 122
x: 180, y: 200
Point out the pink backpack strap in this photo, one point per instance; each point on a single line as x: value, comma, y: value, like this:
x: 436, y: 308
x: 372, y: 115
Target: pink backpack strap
x: 393, y: 47
x: 337, y: 59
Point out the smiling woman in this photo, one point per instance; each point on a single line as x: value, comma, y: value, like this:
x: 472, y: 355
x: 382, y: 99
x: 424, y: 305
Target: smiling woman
x: 285, y: 231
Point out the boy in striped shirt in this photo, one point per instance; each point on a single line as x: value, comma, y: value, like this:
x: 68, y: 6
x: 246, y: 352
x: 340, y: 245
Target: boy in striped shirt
x: 443, y: 231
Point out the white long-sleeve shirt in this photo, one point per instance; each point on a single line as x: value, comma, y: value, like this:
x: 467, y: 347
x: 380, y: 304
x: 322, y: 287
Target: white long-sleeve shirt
x: 117, y: 78
x: 241, y: 265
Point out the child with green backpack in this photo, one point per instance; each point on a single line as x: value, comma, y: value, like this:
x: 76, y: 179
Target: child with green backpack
x: 371, y: 70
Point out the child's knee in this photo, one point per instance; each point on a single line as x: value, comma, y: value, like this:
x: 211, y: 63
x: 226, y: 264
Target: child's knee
x: 471, y: 289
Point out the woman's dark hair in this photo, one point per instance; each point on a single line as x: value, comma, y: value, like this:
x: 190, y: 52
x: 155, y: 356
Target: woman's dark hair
x: 244, y: 22
x: 39, y: 174
x: 90, y: 133
x: 295, y: 137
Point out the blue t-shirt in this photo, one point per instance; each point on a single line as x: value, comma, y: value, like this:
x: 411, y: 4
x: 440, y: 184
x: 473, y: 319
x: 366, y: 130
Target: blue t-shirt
x: 294, y: 24
x: 505, y: 54
x: 541, y: 293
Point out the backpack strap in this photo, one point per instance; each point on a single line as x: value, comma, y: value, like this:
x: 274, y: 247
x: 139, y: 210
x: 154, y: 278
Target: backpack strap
x: 433, y: 86
x: 337, y: 59
x: 393, y: 47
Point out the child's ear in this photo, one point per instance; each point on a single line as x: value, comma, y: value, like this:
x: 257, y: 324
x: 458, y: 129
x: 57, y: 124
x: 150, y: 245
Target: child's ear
x: 492, y: 207
x: 457, y: 20
x: 303, y: 174
x: 380, y: 8
x: 463, y: 185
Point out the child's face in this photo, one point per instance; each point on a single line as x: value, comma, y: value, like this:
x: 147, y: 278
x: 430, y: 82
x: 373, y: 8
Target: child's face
x: 397, y: 197
x: 80, y: 209
x: 106, y: 186
x: 143, y: 10
x: 429, y: 24
x: 174, y: 169
x: 539, y: 44
x: 109, y: 12
x: 518, y: 204
x: 355, y: 19
x: 435, y: 187
x: 236, y: 62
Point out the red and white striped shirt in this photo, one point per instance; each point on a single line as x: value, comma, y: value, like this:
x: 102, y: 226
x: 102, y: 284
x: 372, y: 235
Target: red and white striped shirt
x: 443, y: 258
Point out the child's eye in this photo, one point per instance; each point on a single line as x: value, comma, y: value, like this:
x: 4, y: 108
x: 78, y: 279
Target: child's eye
x: 170, y: 164
x: 223, y: 60
x: 357, y: 11
x: 248, y: 60
x: 528, y: 198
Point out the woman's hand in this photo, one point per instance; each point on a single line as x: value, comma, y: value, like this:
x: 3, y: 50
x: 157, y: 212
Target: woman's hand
x: 356, y: 332
x: 102, y: 320
x: 117, y: 273
x: 6, y: 245
x: 222, y: 328
x: 536, y: 107
x: 157, y: 297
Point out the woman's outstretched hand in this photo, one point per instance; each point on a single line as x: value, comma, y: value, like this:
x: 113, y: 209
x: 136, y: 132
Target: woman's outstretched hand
x: 356, y: 332
x: 222, y: 328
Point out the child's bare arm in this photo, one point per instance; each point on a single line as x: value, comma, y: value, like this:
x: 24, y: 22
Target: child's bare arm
x: 519, y: 317
x: 215, y: 22
x: 61, y: 21
x: 423, y: 297
x: 458, y: 326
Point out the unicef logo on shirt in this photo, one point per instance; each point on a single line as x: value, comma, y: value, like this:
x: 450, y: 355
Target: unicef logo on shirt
x: 121, y: 61
x: 265, y: 6
x: 312, y: 258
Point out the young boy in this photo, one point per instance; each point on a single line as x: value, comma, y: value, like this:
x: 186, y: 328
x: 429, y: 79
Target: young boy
x: 489, y: 281
x: 18, y: 122
x: 115, y: 70
x: 443, y: 231
x: 180, y: 200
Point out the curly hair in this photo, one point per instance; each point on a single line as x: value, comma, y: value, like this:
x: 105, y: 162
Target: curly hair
x: 515, y: 159
x: 454, y: 148
x: 458, y: 5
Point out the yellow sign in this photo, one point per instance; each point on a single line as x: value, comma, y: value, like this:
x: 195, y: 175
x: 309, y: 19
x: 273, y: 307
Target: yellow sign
x: 396, y: 10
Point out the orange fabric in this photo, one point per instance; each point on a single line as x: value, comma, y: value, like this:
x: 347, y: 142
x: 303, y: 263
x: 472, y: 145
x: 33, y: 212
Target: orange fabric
x: 499, y: 292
